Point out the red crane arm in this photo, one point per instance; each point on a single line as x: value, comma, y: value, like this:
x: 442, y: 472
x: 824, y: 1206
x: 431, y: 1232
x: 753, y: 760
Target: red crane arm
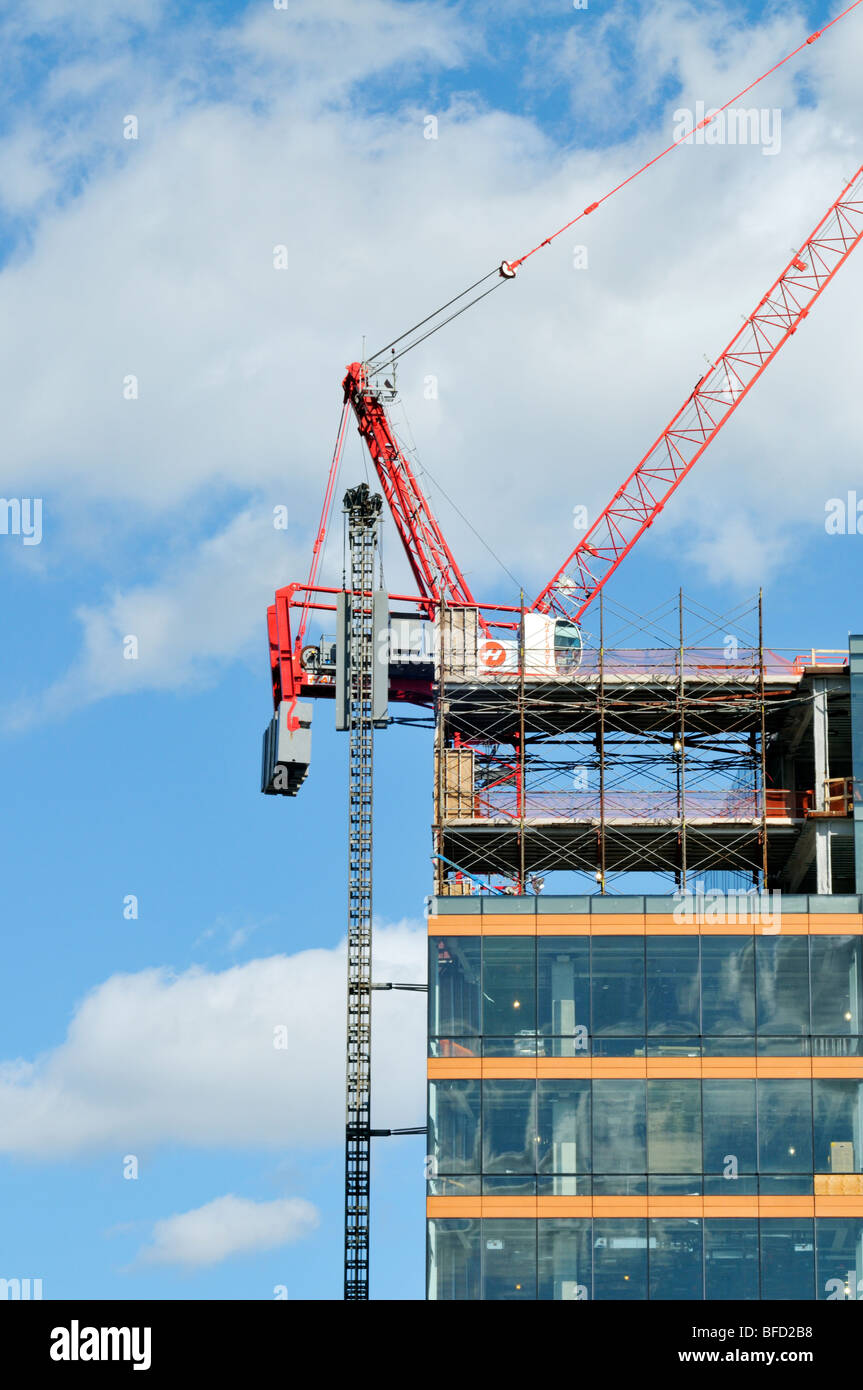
x: 434, y: 568
x: 638, y: 502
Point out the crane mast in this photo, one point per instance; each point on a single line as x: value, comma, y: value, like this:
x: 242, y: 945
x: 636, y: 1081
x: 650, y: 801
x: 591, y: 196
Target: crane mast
x: 363, y: 513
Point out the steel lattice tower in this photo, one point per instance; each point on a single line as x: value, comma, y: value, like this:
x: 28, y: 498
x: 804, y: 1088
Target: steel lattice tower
x: 363, y: 512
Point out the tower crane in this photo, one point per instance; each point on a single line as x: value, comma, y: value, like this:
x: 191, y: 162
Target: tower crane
x: 301, y: 672
x: 632, y: 509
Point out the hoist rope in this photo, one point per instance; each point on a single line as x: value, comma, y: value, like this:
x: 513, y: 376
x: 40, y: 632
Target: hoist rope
x: 506, y: 270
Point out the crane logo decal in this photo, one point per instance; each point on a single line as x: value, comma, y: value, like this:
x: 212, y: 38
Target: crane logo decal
x: 492, y: 654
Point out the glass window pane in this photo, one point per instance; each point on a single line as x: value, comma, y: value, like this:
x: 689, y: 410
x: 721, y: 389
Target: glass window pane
x: 729, y: 1127
x: 787, y: 1259
x: 509, y: 1260
x: 465, y: 1185
x: 619, y: 1127
x: 454, y: 1047
x: 620, y: 1259
x: 564, y: 1263
x: 675, y: 1184
x: 782, y: 984
x: 731, y: 1259
x: 454, y: 1260
x: 727, y: 984
x: 837, y: 984
x: 838, y: 1123
x: 454, y: 986
x: 619, y: 1185
x: 563, y: 1128
x: 772, y: 1045
x: 728, y: 1046
x: 744, y: 1186
x: 508, y: 1185
x: 526, y: 1045
x: 674, y: 1259
x: 839, y: 1256
x: 509, y: 985
x: 563, y: 991
x: 618, y: 1047
x: 617, y: 972
x: 784, y: 1127
x: 509, y: 1126
x: 674, y: 1126
x: 673, y: 985
x: 454, y: 1126
x: 674, y: 1047
x: 785, y: 1185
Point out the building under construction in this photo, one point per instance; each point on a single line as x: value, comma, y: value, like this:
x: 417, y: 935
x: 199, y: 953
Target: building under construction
x: 656, y: 1094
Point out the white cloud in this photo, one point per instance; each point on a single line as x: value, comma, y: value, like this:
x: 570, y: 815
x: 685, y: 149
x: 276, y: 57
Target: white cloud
x: 155, y: 1058
x: 548, y: 394
x: 207, y: 608
x: 228, y: 1226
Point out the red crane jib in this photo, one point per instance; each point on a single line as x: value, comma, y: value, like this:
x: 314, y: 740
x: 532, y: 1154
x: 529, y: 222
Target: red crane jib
x: 713, y: 401
x: 436, y: 573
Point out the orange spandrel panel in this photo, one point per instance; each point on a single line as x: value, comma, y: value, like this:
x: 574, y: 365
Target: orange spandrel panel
x: 675, y: 1206
x: 836, y: 924
x: 619, y: 1067
x: 724, y: 929
x: 839, y: 1184
x: 668, y: 927
x: 512, y: 1208
x: 731, y: 1206
x: 786, y: 1206
x: 838, y: 1206
x: 502, y: 1067
x: 461, y: 1207
x: 619, y: 1206
x: 783, y: 1066
x: 837, y: 1066
x: 729, y: 1068
x: 549, y: 1207
x: 669, y: 1068
x: 454, y: 1068
x: 455, y: 926
x: 658, y: 924
x: 627, y: 1068
x: 559, y: 923
x: 502, y: 924
x: 564, y: 1067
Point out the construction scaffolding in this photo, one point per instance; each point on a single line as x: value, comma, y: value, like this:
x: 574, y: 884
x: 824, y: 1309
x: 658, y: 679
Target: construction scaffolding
x: 639, y: 758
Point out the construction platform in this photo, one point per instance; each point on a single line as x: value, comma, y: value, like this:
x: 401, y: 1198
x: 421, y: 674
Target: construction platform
x: 680, y: 761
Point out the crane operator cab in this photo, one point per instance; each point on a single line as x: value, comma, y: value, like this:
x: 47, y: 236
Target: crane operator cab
x: 552, y: 646
x: 567, y: 646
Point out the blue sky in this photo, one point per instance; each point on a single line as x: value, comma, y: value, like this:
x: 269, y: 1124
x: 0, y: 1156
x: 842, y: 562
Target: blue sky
x: 154, y: 257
